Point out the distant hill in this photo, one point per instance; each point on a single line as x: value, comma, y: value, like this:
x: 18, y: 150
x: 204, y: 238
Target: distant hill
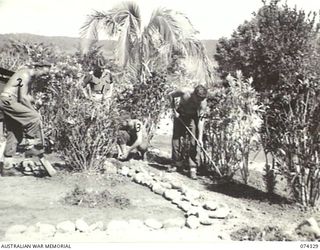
x: 71, y: 44
x: 67, y: 44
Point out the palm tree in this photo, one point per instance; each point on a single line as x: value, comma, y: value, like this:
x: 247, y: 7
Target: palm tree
x: 138, y: 47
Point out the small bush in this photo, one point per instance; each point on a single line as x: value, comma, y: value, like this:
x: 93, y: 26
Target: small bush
x: 233, y: 126
x: 146, y: 101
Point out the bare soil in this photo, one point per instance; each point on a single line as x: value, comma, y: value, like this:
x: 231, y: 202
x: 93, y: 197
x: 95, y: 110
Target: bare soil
x: 28, y: 200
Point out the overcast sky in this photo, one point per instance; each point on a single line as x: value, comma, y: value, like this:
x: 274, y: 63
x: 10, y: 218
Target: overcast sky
x: 213, y: 18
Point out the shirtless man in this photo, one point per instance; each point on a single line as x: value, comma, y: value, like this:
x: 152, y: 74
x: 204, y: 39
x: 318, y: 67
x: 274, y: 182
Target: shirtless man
x: 132, y: 135
x: 21, y: 118
x: 190, y: 112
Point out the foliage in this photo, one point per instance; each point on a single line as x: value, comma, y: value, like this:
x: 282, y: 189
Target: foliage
x: 83, y: 129
x: 269, y: 178
x: 146, y: 101
x: 294, y: 141
x: 280, y: 48
x: 18, y: 53
x: 268, y: 233
x: 233, y: 125
x: 94, y: 58
x: 93, y: 198
x: 272, y: 47
x: 140, y: 48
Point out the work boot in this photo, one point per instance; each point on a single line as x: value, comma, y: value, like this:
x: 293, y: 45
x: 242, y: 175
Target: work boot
x: 33, y: 151
x: 26, y: 142
x: 176, y: 166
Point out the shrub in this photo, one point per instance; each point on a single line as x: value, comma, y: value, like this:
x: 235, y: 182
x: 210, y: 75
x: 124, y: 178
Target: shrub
x: 146, y: 101
x: 233, y: 125
x: 272, y: 47
x: 280, y: 48
x: 84, y: 129
x: 18, y: 53
x: 292, y: 129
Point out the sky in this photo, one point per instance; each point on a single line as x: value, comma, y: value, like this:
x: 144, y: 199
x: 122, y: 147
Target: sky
x: 212, y: 18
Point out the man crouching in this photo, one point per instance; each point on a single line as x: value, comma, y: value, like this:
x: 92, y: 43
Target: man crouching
x: 131, y: 135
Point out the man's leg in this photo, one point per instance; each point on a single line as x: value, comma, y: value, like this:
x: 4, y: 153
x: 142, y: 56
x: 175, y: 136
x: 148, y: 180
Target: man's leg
x: 14, y: 136
x: 28, y: 117
x: 178, y: 132
x: 178, y: 147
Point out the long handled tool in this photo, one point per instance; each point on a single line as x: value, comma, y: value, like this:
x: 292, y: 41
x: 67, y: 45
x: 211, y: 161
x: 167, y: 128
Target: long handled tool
x: 201, y: 147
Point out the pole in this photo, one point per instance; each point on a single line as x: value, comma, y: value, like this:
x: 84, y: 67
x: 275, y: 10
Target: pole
x: 204, y: 151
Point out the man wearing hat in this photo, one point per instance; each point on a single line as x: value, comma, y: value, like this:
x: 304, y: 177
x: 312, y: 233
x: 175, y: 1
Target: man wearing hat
x: 21, y: 118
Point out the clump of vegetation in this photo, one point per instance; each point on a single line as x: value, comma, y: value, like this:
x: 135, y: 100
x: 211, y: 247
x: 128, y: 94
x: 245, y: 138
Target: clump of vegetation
x: 268, y: 233
x: 279, y: 48
x: 233, y: 126
x: 146, y: 101
x: 269, y: 178
x: 92, y: 199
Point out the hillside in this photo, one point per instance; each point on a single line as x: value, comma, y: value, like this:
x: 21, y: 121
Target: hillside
x: 71, y: 44
x: 67, y: 44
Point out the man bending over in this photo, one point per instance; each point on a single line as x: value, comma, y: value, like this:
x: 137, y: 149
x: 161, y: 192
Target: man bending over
x: 131, y: 135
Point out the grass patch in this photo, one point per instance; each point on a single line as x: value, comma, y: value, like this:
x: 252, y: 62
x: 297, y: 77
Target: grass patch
x: 92, y: 198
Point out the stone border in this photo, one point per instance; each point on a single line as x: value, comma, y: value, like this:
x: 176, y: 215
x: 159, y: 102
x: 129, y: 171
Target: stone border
x: 197, y: 210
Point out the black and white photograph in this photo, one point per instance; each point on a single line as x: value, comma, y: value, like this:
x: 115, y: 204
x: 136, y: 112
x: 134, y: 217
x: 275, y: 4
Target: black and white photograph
x: 159, y: 121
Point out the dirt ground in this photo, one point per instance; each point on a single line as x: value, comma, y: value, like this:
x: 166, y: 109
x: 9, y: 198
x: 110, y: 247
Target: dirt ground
x: 28, y: 200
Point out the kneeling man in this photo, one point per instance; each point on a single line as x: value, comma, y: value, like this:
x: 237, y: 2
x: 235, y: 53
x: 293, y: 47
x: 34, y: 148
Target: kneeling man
x: 131, y: 135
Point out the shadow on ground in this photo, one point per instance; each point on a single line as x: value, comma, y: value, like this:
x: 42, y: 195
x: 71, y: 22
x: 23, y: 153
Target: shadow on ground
x: 239, y: 190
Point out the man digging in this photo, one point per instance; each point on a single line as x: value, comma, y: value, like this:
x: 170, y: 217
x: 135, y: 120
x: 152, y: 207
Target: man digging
x: 189, y: 114
x: 20, y: 117
x: 131, y: 135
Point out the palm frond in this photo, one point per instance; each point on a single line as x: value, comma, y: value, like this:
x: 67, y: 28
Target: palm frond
x: 123, y: 21
x: 128, y: 18
x: 195, y: 53
x: 123, y: 45
x: 127, y: 10
x: 164, y: 22
x: 96, y: 22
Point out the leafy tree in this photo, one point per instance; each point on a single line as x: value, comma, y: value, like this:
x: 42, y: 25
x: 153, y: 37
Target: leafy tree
x: 280, y: 50
x: 271, y: 48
